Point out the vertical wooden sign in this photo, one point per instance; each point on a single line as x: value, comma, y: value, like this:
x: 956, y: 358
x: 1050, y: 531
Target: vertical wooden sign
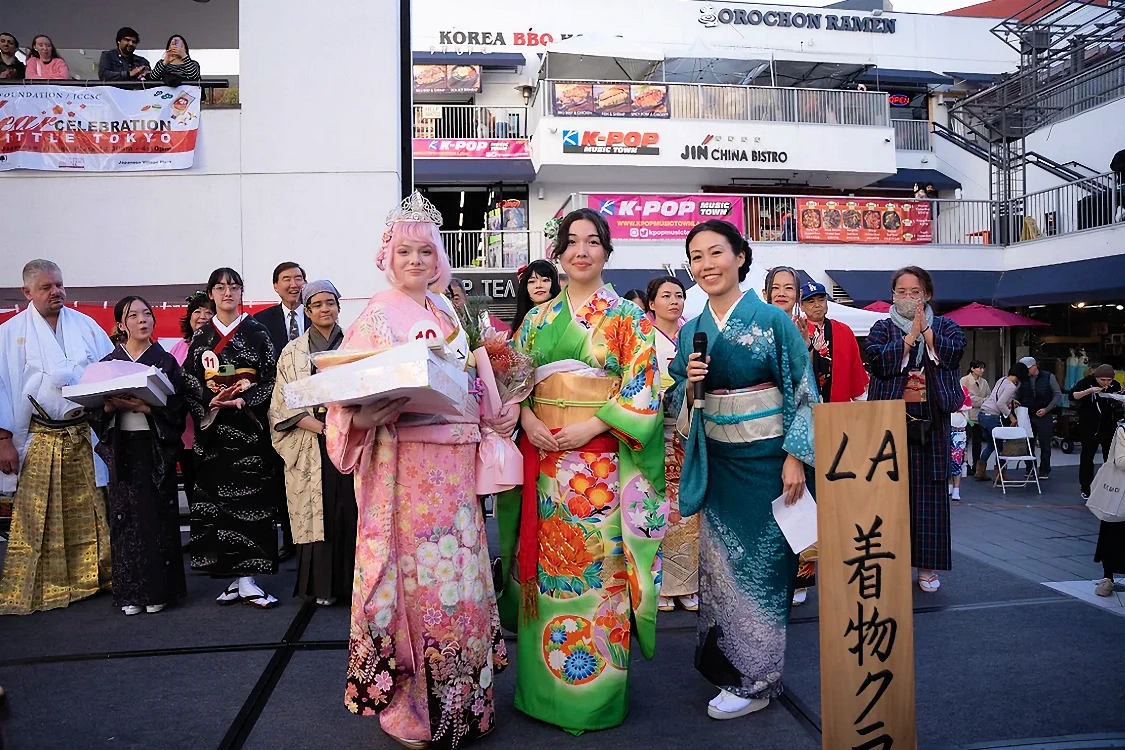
x: 863, y: 576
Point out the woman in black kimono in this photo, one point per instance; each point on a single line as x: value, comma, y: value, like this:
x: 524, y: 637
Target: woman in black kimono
x: 140, y: 444
x: 229, y: 375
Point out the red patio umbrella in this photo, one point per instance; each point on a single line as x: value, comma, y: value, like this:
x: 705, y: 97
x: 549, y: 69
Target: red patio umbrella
x: 977, y: 315
x: 879, y: 307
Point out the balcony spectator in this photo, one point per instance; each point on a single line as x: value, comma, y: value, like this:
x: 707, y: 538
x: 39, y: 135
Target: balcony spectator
x: 122, y: 64
x: 176, y: 66
x: 43, y: 61
x: 11, y: 68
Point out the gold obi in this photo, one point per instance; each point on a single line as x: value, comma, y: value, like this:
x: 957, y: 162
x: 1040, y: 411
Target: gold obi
x: 741, y: 416
x: 567, y: 398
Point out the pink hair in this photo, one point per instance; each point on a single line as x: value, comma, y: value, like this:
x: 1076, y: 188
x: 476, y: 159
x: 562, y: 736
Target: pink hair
x: 415, y: 231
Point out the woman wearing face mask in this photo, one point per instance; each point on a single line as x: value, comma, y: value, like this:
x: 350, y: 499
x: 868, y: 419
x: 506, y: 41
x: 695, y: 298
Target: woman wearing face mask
x: 537, y: 283
x: 592, y: 510
x: 916, y: 356
x: 680, y: 550
x: 749, y: 444
x: 229, y: 374
x: 200, y: 310
x: 425, y: 635
x: 321, y: 500
x: 140, y: 444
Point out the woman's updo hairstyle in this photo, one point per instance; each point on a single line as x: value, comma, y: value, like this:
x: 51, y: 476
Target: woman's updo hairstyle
x: 600, y: 226
x: 730, y: 232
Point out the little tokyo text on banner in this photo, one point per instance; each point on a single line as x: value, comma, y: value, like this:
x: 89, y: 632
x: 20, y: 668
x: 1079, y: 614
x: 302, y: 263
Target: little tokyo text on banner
x: 98, y: 128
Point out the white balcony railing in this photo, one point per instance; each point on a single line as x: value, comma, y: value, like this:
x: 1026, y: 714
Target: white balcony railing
x: 912, y: 135
x: 696, y: 101
x: 469, y: 121
x: 484, y: 248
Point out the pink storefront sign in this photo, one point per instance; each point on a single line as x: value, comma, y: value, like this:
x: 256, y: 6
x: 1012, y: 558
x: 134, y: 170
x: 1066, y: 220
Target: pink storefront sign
x: 657, y: 218
x: 471, y: 148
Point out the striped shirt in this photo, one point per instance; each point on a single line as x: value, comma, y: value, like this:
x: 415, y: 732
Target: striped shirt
x: 188, y: 70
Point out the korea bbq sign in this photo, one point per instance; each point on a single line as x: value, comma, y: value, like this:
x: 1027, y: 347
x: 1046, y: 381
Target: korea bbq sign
x: 98, y: 129
x: 659, y: 218
x: 872, y: 221
x: 470, y: 148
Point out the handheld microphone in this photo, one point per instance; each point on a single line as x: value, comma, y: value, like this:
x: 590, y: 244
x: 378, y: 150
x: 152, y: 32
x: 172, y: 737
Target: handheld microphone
x: 699, y: 346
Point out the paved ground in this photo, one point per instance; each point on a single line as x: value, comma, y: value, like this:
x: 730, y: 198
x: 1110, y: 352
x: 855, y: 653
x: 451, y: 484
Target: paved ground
x: 1009, y: 654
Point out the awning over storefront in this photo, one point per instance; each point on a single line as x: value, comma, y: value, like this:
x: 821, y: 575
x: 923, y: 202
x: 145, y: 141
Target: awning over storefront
x: 974, y: 77
x: 1092, y: 280
x: 949, y: 286
x: 893, y: 75
x: 487, y: 60
x: 472, y: 171
x: 596, y: 57
x: 906, y: 179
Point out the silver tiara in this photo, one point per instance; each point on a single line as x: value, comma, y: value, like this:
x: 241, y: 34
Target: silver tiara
x: 415, y: 208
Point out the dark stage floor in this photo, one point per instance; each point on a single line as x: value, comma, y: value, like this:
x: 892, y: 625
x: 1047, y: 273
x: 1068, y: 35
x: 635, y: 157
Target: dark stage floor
x: 1002, y: 662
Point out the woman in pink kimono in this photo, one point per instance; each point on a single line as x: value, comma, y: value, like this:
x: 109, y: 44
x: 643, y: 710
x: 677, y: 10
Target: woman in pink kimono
x: 425, y: 637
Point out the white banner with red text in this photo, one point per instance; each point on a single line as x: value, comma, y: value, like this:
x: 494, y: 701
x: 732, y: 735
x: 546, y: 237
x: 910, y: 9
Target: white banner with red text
x: 98, y: 128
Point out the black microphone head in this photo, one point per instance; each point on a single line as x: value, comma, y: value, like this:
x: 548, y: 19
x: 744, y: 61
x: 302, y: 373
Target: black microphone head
x: 699, y: 343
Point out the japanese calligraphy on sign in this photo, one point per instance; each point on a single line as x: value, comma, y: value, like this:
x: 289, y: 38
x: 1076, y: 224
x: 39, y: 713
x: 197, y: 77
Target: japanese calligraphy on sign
x: 864, y: 577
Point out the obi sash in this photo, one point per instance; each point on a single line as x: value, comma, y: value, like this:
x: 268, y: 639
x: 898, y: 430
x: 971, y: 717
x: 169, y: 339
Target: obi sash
x: 566, y: 398
x: 745, y: 415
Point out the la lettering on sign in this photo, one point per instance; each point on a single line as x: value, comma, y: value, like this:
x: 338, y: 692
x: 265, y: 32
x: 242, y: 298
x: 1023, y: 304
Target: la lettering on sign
x: 863, y: 576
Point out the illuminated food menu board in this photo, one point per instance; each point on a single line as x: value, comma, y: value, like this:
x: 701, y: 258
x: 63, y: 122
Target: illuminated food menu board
x: 865, y: 221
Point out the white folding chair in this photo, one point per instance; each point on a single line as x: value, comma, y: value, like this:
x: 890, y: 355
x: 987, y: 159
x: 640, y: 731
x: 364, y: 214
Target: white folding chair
x: 1018, y: 436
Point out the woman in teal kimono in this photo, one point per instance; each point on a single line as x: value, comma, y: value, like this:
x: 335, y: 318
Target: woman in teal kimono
x: 592, y: 511
x: 749, y: 442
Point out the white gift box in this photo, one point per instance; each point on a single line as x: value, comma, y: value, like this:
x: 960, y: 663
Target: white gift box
x: 433, y: 384
x: 149, y: 385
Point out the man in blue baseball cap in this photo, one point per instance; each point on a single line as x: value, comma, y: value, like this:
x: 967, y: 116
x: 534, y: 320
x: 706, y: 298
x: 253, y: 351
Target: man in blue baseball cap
x: 837, y: 365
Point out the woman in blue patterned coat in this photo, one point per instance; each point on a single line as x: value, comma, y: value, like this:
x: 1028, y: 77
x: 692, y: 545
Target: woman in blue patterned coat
x: 916, y: 356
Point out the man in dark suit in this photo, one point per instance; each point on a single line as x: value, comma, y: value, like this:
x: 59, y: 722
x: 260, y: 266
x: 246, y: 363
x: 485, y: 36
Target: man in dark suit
x: 285, y: 322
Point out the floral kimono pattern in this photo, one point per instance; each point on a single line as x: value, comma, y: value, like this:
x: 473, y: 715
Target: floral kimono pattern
x: 425, y: 640
x: 746, y: 568
x: 601, y: 519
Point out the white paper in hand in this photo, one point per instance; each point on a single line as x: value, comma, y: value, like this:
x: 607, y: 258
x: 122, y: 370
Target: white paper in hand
x: 797, y: 521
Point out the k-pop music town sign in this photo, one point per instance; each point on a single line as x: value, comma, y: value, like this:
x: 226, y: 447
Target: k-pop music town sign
x: 98, y: 129
x: 863, y: 576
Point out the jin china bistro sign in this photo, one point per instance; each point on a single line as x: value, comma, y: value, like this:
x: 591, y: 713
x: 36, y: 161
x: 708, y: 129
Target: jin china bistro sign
x: 710, y: 17
x: 863, y: 576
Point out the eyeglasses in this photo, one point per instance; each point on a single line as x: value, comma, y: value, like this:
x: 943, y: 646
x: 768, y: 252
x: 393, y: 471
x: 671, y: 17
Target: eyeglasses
x: 902, y: 294
x: 220, y: 288
x: 321, y: 304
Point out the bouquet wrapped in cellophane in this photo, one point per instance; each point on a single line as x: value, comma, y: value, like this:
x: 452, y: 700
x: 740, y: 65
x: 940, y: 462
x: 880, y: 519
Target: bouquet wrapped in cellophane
x: 507, y: 377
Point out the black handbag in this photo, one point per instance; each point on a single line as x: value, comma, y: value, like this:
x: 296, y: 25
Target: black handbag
x: 919, y: 431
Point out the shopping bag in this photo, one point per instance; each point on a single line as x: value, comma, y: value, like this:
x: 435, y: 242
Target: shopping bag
x: 1107, y: 494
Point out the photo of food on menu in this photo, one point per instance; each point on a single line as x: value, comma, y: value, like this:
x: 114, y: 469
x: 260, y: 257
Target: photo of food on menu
x: 864, y: 221
x: 444, y: 79
x: 610, y: 100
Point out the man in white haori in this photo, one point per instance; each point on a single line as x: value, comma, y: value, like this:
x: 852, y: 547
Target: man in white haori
x: 58, y: 549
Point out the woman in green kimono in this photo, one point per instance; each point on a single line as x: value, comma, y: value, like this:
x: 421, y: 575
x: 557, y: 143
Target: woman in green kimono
x: 748, y: 443
x: 592, y: 512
